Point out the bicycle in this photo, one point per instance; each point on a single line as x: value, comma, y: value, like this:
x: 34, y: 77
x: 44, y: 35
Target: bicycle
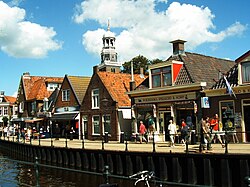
x: 145, y: 176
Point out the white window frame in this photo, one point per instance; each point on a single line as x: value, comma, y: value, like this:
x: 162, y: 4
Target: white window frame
x: 95, y: 123
x: 108, y: 121
x: 244, y: 71
x: 95, y: 99
x: 5, y: 111
x: 66, y: 95
x: 21, y: 107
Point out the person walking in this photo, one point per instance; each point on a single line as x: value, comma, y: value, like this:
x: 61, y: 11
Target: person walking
x: 142, y: 131
x: 72, y: 132
x: 172, y: 132
x: 205, y: 134
x: 215, y: 130
x: 184, y: 132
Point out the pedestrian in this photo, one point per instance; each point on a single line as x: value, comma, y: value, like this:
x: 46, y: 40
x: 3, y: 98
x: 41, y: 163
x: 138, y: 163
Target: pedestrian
x: 172, y: 132
x: 184, y: 132
x: 205, y: 134
x: 142, y: 131
x: 5, y: 131
x: 72, y: 132
x: 215, y: 130
x: 57, y: 132
x: 1, y: 131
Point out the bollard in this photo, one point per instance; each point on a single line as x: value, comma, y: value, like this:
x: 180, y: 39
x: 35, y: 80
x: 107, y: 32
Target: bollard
x: 83, y: 142
x: 51, y: 141
x: 39, y: 140
x: 153, y: 142
x: 102, y: 143
x: 186, y: 146
x: 226, y: 143
x: 66, y: 142
x: 37, y: 172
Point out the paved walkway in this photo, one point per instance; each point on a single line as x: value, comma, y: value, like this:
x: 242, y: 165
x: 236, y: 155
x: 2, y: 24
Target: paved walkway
x: 234, y: 148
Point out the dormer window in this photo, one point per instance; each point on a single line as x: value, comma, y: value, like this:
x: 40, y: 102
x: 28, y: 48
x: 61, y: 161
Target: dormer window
x: 52, y: 86
x: 161, y: 77
x: 245, y: 72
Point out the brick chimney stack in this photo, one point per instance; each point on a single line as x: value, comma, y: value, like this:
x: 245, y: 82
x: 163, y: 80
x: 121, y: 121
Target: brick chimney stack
x: 178, y: 47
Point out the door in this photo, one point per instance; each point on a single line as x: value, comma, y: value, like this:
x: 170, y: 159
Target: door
x: 167, y: 117
x: 247, y: 122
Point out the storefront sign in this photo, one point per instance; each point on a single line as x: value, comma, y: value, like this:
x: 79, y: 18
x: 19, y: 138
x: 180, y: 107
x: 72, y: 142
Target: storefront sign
x: 205, y: 102
x: 166, y: 98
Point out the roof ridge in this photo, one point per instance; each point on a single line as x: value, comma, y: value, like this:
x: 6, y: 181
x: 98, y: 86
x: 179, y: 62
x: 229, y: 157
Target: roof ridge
x: 209, y: 56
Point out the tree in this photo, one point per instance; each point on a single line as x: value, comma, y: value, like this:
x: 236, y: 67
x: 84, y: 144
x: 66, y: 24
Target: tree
x: 139, y: 62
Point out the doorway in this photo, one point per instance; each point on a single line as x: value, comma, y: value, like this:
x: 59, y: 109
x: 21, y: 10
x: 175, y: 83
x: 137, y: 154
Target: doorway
x: 167, y: 117
x: 247, y: 122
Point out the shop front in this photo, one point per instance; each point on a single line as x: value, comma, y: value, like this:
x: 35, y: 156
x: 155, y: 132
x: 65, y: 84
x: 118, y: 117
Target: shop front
x: 157, y: 107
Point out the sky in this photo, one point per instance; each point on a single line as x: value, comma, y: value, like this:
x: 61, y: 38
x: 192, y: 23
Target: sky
x: 58, y: 37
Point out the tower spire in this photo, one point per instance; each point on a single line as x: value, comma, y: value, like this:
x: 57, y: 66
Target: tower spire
x: 108, y: 54
x: 109, y: 24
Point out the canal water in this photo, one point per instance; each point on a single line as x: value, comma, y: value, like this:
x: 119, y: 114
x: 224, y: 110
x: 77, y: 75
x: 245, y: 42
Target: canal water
x: 14, y: 173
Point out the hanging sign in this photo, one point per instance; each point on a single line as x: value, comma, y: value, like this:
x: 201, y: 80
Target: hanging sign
x: 205, y: 102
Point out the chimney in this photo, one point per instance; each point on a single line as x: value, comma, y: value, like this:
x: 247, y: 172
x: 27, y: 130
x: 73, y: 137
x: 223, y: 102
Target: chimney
x: 178, y: 47
x: 95, y: 69
x: 26, y: 75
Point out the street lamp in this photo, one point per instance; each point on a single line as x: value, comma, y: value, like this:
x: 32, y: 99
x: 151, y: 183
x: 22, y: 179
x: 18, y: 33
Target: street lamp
x: 105, y: 103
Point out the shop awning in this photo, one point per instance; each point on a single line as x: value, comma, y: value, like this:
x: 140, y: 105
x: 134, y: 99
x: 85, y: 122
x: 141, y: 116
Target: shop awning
x: 126, y: 113
x: 33, y: 120
x: 66, y: 116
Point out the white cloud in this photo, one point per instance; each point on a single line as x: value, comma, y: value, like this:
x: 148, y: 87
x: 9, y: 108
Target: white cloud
x: 23, y: 39
x: 148, y: 32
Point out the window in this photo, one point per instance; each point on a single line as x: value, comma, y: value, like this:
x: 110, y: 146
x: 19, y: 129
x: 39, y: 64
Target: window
x: 1, y: 111
x: 106, y: 123
x: 96, y: 125
x: 161, y: 77
x: 246, y: 72
x: 5, y: 110
x: 227, y: 112
x: 52, y: 86
x: 33, y: 106
x: 95, y: 98
x: 21, y: 107
x: 45, y: 104
x: 65, y: 95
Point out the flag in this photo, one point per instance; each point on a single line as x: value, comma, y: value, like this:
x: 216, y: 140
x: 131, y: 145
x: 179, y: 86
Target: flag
x: 229, y: 89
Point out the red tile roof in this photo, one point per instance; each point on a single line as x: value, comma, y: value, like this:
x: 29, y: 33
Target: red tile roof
x: 118, y: 84
x: 10, y: 99
x: 35, y: 87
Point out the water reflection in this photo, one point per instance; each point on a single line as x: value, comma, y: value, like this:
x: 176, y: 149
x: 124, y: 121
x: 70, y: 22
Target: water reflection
x: 15, y: 174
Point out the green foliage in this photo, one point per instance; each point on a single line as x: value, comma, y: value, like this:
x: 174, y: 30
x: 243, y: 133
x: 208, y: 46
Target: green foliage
x: 139, y: 62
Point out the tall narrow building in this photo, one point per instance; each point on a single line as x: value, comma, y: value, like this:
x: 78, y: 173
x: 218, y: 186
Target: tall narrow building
x: 109, y: 61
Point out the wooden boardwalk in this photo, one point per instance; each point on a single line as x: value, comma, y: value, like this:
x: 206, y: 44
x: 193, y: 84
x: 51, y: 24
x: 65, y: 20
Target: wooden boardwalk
x: 163, y: 147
